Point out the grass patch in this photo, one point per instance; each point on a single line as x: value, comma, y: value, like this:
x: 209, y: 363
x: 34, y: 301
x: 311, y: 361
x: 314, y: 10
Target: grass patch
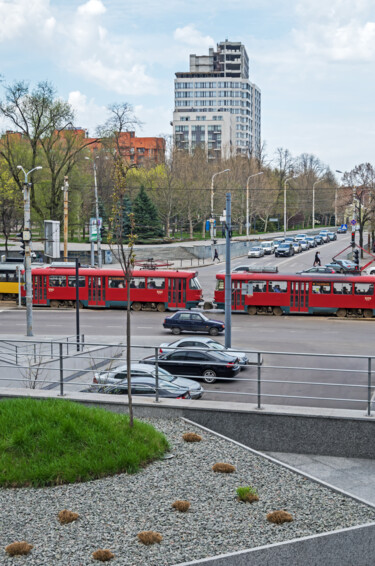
x: 52, y: 442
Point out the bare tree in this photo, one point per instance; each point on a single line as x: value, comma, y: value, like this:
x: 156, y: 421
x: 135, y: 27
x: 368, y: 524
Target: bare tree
x: 362, y: 181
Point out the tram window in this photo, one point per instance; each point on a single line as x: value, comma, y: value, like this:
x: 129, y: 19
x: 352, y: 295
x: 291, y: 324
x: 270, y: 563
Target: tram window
x: 342, y: 288
x: 116, y: 282
x: 3, y: 277
x: 151, y: 283
x: 72, y: 281
x: 278, y: 286
x: 138, y: 283
x: 260, y: 287
x: 319, y: 288
x: 363, y: 289
x: 194, y: 283
x: 57, y: 281
x: 220, y: 285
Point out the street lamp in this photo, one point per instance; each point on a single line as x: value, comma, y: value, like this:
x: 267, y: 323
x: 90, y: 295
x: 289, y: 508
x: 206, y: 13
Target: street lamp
x: 337, y: 171
x: 98, y: 236
x: 26, y: 236
x: 247, y: 200
x: 285, y: 182
x: 313, y: 202
x: 212, y: 199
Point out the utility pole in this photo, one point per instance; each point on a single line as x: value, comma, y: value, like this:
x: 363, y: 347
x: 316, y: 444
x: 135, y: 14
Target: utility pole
x: 26, y: 236
x: 98, y: 238
x: 228, y: 278
x: 212, y: 228
x: 65, y: 188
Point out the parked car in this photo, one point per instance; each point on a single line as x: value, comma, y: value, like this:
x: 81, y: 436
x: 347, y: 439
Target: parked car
x: 301, y: 237
x: 277, y: 242
x: 116, y: 375
x: 324, y: 235
x: 284, y: 249
x: 344, y: 266
x: 312, y: 242
x: 319, y: 269
x: 208, y: 365
x: 192, y: 322
x: 297, y: 247
x: 145, y: 386
x: 255, y: 251
x: 203, y: 343
x: 332, y: 236
x: 268, y: 247
x: 319, y: 240
x: 304, y: 245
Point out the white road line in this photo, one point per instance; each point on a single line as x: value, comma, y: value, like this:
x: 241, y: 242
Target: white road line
x: 148, y: 327
x: 114, y: 326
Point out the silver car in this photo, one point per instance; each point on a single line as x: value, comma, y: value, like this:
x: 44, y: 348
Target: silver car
x: 115, y: 375
x: 203, y: 343
x: 297, y: 247
x: 256, y: 251
x: 268, y: 247
x: 304, y: 245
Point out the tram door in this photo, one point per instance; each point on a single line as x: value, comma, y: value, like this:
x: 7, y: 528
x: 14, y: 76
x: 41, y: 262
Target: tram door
x: 238, y: 300
x: 39, y: 290
x: 176, y: 292
x: 299, y: 296
x: 96, y: 291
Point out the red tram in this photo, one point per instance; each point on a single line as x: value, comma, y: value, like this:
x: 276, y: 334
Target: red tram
x: 149, y: 289
x: 271, y: 293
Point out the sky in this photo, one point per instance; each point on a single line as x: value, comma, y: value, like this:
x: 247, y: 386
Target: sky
x: 312, y: 59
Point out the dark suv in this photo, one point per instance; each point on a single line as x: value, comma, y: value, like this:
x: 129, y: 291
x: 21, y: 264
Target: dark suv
x: 193, y: 322
x: 285, y: 249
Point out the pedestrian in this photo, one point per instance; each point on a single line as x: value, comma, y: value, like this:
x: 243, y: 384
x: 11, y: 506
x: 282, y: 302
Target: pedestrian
x: 317, y: 259
x: 216, y: 255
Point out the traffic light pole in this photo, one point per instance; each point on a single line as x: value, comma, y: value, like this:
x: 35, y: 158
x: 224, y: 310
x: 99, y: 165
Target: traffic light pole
x: 98, y: 227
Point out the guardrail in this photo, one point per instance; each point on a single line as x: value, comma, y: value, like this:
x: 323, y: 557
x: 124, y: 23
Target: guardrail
x: 77, y: 371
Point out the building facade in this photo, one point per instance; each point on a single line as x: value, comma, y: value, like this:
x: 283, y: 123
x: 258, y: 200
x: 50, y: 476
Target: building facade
x: 216, y: 105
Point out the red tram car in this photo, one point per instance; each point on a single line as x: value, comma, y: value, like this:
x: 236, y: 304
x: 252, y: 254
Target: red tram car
x: 149, y: 289
x: 271, y: 293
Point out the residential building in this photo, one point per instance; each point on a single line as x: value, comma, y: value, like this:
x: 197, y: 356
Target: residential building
x: 216, y: 105
x: 139, y: 151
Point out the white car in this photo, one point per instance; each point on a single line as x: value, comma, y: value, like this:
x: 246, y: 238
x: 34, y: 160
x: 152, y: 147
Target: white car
x: 277, y: 242
x: 304, y: 245
x: 256, y: 251
x: 268, y: 247
x: 324, y: 235
x: 203, y: 343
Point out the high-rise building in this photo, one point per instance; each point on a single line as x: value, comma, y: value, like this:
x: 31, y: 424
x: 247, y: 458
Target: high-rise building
x: 216, y: 106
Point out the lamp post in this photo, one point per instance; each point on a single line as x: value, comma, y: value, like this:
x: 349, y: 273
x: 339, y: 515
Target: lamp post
x: 98, y: 236
x: 313, y: 202
x: 212, y: 201
x: 26, y: 236
x: 285, y: 182
x: 247, y: 199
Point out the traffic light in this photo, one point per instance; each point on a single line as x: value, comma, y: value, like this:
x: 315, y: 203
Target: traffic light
x: 20, y: 236
x: 103, y: 232
x: 353, y: 238
x: 356, y: 257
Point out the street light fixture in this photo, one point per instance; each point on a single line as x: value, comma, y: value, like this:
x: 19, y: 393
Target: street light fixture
x: 285, y: 182
x: 212, y: 200
x: 98, y: 236
x: 247, y: 199
x: 313, y: 202
x: 27, y: 239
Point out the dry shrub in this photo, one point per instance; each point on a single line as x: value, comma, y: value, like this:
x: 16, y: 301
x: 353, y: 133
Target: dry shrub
x: 103, y: 554
x: 18, y: 548
x: 223, y: 468
x: 180, y: 505
x: 149, y: 537
x: 279, y: 517
x: 66, y: 516
x: 191, y: 437
x: 250, y: 498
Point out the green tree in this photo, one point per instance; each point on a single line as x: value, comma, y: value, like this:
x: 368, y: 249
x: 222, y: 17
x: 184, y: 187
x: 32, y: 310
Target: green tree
x: 10, y: 203
x: 146, y: 218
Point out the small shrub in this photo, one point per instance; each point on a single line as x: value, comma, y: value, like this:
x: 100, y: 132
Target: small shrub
x: 103, y: 554
x: 18, y: 548
x: 223, y: 468
x: 279, y: 517
x: 182, y: 506
x: 247, y: 493
x: 149, y: 537
x: 191, y: 437
x: 66, y: 516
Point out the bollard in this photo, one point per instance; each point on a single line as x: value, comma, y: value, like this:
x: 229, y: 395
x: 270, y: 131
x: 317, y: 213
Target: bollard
x: 369, y: 388
x: 157, y: 375
x: 61, y: 370
x: 259, y: 379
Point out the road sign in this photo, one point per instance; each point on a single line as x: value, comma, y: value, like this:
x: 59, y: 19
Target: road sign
x: 344, y: 226
x: 274, y: 219
x: 353, y: 222
x: 93, y: 233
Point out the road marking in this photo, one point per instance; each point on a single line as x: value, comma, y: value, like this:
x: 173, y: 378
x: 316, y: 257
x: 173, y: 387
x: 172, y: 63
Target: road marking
x: 114, y: 326
x: 148, y: 327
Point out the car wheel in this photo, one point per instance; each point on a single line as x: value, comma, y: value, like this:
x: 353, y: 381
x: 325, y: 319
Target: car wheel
x: 213, y: 331
x: 176, y: 330
x: 209, y: 376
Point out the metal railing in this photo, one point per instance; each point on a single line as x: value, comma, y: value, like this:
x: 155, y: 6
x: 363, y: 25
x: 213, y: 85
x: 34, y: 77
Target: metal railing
x: 263, y: 376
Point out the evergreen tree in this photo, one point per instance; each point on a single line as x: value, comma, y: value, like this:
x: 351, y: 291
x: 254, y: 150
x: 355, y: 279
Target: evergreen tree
x: 147, y: 222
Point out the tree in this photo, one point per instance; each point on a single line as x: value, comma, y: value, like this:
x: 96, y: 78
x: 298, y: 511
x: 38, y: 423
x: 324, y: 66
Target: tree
x: 11, y: 210
x: 146, y: 219
x: 362, y: 181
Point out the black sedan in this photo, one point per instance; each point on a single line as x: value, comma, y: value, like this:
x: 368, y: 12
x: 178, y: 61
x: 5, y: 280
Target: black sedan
x: 192, y: 322
x: 193, y: 363
x: 145, y: 386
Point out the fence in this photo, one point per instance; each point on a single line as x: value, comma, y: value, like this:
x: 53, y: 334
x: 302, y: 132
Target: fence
x: 346, y: 379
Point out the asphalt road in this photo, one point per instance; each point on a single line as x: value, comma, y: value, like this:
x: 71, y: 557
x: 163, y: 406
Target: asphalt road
x: 297, y: 334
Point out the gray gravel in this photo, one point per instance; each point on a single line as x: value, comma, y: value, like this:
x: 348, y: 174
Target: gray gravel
x: 113, y: 510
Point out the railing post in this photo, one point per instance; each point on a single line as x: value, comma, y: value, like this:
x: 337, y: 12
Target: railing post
x: 61, y: 369
x: 157, y: 375
x: 67, y: 346
x: 51, y: 349
x: 369, y: 387
x: 34, y: 353
x: 16, y: 354
x: 82, y: 342
x: 259, y: 359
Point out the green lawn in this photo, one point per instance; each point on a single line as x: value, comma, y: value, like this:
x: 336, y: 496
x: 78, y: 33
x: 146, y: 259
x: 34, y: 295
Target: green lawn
x: 50, y: 442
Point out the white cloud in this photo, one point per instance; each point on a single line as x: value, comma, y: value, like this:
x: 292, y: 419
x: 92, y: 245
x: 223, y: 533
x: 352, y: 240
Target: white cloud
x: 193, y: 38
x: 17, y: 16
x: 88, y: 114
x: 92, y: 8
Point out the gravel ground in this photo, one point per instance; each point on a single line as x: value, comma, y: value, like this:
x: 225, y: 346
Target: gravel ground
x: 113, y: 510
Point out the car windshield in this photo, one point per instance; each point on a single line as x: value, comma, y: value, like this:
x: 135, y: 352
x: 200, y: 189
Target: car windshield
x: 223, y: 357
x: 255, y: 249
x: 216, y: 346
x: 284, y: 246
x: 164, y: 374
x: 169, y: 386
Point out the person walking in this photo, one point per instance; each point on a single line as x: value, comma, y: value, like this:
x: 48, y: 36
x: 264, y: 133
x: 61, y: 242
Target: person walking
x: 317, y: 259
x: 216, y: 255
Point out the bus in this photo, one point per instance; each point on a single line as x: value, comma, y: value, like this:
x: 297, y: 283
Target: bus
x: 276, y: 294
x: 154, y: 290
